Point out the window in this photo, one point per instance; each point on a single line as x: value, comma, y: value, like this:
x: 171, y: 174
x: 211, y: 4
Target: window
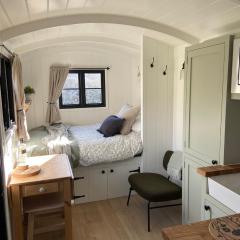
x: 6, y: 92
x: 83, y: 88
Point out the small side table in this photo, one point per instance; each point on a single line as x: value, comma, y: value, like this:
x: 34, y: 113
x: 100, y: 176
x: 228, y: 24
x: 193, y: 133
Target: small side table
x: 55, y: 177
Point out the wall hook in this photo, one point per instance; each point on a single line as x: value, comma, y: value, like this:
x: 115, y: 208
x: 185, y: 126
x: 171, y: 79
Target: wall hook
x: 152, y: 64
x: 165, y: 71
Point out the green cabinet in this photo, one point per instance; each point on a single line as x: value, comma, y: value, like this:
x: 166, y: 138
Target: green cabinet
x: 210, y: 125
x: 193, y: 188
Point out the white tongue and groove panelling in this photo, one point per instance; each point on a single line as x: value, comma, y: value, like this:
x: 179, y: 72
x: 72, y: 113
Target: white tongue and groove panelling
x: 157, y: 103
x: 200, y: 18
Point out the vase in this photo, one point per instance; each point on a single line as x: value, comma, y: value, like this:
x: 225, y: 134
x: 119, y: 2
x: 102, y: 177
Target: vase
x: 28, y: 97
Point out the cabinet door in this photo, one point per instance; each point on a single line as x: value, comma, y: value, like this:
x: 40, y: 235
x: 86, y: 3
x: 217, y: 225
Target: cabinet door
x: 192, y: 191
x: 98, y: 184
x: 81, y: 184
x: 204, y: 101
x: 118, y: 185
x: 211, y: 211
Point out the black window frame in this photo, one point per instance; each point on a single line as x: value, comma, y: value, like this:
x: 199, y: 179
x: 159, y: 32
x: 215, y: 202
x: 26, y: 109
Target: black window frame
x: 82, y: 90
x: 7, y: 94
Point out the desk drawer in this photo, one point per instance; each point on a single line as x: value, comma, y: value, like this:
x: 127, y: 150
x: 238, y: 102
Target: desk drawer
x: 40, y: 189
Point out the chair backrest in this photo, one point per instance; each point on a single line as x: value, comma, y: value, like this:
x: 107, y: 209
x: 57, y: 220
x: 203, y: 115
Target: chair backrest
x: 166, y: 158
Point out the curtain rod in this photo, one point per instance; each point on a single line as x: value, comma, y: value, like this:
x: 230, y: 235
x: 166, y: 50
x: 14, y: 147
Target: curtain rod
x: 9, y: 51
x: 88, y: 68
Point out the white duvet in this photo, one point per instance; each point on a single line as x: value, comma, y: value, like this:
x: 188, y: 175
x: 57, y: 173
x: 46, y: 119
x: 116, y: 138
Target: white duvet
x: 95, y: 148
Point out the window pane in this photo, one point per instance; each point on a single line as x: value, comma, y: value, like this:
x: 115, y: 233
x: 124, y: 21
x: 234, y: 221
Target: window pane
x: 93, y: 96
x: 71, y: 81
x: 92, y: 80
x: 70, y: 97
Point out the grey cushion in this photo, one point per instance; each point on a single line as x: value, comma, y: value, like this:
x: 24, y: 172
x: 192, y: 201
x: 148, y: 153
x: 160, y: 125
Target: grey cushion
x: 111, y: 126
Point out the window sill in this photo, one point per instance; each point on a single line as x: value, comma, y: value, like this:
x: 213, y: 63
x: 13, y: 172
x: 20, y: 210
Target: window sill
x: 84, y: 108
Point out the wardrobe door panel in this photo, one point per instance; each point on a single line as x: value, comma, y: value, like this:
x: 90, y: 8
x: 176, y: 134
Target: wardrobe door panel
x: 192, y: 191
x: 205, y: 79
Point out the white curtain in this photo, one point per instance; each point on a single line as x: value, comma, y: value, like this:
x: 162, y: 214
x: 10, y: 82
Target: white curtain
x: 19, y: 98
x: 58, y: 75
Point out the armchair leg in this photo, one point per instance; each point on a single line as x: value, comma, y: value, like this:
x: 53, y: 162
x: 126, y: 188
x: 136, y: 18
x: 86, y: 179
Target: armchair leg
x: 129, y: 195
x: 148, y: 213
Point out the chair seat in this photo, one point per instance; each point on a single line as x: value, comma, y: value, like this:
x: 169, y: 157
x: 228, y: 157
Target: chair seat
x: 154, y: 187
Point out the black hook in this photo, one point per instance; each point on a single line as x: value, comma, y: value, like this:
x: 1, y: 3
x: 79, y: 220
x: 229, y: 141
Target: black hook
x: 183, y: 66
x: 152, y: 64
x: 165, y: 71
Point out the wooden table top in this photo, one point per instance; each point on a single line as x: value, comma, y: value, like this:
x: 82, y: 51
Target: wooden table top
x: 219, y: 170
x: 195, y: 231
x: 53, y: 167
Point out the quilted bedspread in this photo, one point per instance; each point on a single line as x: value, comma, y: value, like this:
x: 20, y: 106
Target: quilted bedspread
x: 95, y: 148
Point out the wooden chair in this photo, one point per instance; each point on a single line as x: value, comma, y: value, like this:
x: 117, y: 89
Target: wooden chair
x: 154, y: 187
x: 43, y: 205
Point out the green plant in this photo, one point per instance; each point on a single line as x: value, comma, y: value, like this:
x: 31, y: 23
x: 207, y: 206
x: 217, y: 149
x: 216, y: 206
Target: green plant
x: 29, y: 90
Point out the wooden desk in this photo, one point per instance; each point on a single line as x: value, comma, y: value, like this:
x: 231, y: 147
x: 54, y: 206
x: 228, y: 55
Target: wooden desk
x: 195, y: 231
x: 55, y: 176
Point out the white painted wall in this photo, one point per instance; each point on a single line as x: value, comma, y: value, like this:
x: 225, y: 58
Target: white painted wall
x: 178, y: 98
x: 123, y: 84
x: 157, y: 103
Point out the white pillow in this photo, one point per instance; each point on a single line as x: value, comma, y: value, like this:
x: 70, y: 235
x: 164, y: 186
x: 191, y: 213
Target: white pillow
x: 136, y: 127
x: 130, y: 114
x: 124, y: 108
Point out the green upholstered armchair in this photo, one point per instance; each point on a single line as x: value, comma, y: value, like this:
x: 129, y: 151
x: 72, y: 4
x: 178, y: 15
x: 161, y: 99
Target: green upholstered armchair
x: 154, y: 187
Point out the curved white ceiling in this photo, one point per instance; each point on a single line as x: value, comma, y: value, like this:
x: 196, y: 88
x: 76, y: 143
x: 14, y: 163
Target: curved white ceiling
x: 94, y: 18
x: 188, y: 20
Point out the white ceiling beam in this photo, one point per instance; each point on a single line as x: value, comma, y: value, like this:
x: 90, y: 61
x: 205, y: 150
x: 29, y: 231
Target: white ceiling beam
x: 94, y: 18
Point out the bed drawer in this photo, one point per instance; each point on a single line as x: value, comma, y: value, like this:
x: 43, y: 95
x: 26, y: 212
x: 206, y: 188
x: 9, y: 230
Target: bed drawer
x: 32, y: 190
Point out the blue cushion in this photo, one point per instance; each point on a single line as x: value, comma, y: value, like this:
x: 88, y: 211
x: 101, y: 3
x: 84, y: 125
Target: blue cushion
x: 111, y: 126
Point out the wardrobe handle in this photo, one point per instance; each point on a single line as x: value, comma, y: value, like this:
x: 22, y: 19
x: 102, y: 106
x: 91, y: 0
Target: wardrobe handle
x: 214, y: 162
x: 111, y: 170
x: 207, y: 208
x: 103, y: 171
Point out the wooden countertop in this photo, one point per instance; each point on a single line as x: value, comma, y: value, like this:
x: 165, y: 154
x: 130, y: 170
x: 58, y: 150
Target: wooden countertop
x: 218, y: 170
x: 195, y: 231
x: 53, y: 167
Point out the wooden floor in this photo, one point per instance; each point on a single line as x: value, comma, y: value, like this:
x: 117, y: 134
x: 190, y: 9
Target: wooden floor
x: 113, y: 220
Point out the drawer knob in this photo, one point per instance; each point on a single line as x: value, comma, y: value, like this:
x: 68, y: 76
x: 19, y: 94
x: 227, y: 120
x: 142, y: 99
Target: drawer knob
x: 42, y: 189
x: 214, y: 162
x: 111, y: 170
x: 103, y: 172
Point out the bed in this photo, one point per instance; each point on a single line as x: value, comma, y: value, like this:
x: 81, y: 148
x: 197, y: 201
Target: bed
x: 84, y: 145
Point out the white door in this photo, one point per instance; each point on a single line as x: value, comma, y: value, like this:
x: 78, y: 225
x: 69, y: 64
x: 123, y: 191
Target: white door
x: 118, y: 185
x: 192, y: 190
x: 211, y: 211
x: 98, y: 184
x: 204, y: 86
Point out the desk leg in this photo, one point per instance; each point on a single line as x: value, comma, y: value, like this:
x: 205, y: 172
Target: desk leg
x: 17, y: 218
x: 67, y: 189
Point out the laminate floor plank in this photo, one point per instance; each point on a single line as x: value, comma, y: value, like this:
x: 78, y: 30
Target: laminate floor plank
x: 113, y: 220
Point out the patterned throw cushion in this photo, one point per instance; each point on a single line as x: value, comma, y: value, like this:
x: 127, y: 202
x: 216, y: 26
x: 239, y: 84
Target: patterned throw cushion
x: 111, y: 126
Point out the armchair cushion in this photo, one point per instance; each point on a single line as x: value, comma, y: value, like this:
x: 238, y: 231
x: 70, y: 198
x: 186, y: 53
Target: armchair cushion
x: 154, y: 187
